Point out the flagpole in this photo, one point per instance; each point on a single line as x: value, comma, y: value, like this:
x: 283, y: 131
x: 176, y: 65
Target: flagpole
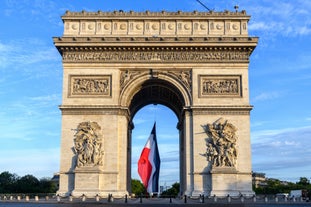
x: 155, y: 112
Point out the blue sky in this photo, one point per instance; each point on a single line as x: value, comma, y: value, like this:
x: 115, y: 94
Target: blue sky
x: 279, y: 74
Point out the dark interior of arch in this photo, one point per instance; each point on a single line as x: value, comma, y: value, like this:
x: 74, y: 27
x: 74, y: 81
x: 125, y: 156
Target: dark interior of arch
x: 157, y: 91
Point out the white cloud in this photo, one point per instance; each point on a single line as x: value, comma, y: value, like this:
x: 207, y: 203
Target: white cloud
x: 138, y: 121
x: 28, y: 61
x: 264, y: 96
x: 45, y: 101
x: 277, y: 151
x: 277, y: 18
x: 259, y: 25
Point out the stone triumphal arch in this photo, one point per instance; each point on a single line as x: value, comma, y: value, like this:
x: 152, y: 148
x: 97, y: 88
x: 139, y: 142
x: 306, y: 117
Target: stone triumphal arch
x: 195, y: 63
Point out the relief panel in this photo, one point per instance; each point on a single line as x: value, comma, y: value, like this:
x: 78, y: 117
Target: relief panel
x: 220, y: 86
x: 217, y: 27
x: 156, y: 56
x: 233, y: 27
x: 88, y: 145
x: 120, y: 28
x: 104, y: 28
x: 72, y: 28
x: 168, y: 28
x: 184, y: 28
x: 152, y: 28
x: 200, y: 28
x: 90, y: 85
x: 136, y: 28
x: 221, y: 150
x: 87, y: 28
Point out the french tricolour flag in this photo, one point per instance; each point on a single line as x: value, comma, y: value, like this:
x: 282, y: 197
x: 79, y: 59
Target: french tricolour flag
x: 149, y: 163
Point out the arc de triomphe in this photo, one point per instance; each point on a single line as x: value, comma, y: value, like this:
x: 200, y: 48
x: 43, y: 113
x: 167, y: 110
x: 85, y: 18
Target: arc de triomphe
x: 195, y: 63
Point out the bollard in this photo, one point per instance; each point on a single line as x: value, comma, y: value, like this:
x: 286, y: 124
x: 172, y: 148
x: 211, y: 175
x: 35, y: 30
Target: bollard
x: 70, y: 198
x: 58, y: 198
x: 27, y: 198
x: 266, y: 199
x: 125, y: 198
x: 285, y: 198
x: 229, y: 199
x: 18, y: 198
x: 170, y: 199
x: 36, y: 198
x: 97, y: 198
x: 11, y: 198
x: 254, y: 199
x: 185, y: 198
x: 141, y: 199
x: 83, y: 197
x: 215, y: 198
x: 242, y: 198
x: 276, y: 199
x: 46, y: 198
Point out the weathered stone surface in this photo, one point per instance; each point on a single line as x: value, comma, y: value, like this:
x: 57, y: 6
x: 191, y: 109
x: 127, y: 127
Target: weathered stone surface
x: 196, y: 63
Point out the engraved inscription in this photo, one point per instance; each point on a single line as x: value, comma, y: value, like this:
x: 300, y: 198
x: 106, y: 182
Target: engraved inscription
x: 90, y: 85
x: 220, y: 85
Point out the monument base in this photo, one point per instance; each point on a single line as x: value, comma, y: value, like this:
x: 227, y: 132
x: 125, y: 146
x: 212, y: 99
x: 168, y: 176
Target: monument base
x: 94, y: 181
x: 228, y: 181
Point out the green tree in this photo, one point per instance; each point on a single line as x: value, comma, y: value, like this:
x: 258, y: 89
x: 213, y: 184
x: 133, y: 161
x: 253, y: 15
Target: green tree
x: 11, y: 183
x: 28, y: 184
x: 8, y: 182
x: 173, y: 191
x: 47, y: 186
x: 137, y: 187
x: 303, y: 181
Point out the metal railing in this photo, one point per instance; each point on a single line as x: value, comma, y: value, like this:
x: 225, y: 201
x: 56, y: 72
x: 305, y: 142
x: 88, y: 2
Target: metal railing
x: 149, y: 200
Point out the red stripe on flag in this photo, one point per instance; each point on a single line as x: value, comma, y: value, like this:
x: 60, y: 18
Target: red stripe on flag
x: 144, y: 166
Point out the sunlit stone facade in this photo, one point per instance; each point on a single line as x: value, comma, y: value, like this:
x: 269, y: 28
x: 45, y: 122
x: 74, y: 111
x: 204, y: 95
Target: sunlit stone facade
x: 195, y: 63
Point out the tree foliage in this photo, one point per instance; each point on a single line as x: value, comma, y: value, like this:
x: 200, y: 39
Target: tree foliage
x: 173, y: 191
x: 137, y: 187
x: 303, y: 181
x: 7, y: 182
x: 11, y: 183
x: 274, y: 186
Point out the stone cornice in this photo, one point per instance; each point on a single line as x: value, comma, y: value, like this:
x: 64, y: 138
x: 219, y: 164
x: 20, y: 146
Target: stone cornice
x: 165, y: 14
x: 93, y: 110
x: 131, y: 41
x: 126, y: 49
x: 221, y: 110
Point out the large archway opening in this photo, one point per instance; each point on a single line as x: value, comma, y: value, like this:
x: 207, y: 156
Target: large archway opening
x: 167, y: 137
x: 161, y: 101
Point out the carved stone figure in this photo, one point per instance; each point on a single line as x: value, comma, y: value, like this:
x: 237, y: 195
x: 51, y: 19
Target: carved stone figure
x: 88, y: 144
x: 185, y: 78
x: 127, y: 75
x: 221, y: 143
